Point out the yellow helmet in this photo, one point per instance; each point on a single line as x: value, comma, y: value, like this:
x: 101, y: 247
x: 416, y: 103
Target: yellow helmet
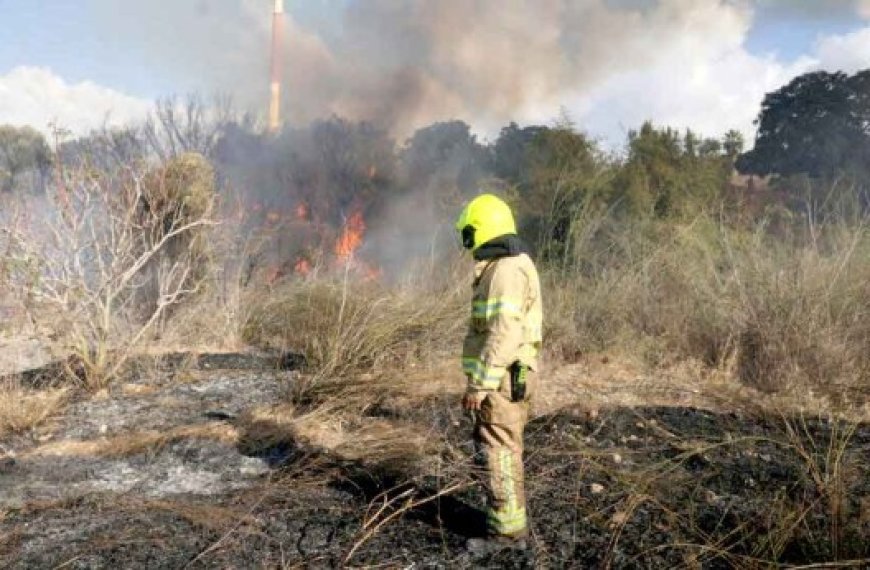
x: 483, y: 219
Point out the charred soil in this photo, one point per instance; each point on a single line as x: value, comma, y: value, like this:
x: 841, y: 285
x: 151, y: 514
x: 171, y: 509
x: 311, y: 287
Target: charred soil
x: 649, y: 487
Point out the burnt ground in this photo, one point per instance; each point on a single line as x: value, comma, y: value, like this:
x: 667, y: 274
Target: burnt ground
x: 649, y: 487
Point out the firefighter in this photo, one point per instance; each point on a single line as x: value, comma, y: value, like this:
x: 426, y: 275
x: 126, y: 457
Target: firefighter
x: 499, y: 358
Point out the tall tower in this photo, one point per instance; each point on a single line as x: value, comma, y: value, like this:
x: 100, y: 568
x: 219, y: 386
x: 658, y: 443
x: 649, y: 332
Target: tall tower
x: 275, y: 76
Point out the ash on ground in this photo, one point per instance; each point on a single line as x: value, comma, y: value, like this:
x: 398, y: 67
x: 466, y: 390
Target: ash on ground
x: 653, y: 487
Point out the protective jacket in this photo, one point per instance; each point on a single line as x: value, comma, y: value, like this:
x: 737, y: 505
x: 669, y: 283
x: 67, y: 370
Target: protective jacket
x: 506, y: 314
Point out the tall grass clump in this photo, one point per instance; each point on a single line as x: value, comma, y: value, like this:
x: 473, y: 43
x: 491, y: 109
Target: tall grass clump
x: 22, y: 409
x: 347, y: 326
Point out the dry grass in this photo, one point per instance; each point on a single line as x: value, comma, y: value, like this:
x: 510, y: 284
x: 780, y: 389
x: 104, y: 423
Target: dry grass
x: 690, y: 314
x: 344, y: 326
x: 779, y: 315
x: 22, y: 409
x: 693, y: 315
x: 371, y: 348
x: 362, y: 340
x: 397, y: 444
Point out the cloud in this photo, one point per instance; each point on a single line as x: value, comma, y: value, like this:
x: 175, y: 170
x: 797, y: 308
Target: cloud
x: 36, y: 96
x: 863, y: 8
x: 707, y: 80
x: 703, y: 78
x: 812, y: 10
x: 849, y: 52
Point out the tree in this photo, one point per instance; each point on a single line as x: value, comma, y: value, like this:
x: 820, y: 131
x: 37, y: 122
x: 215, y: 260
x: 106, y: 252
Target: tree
x: 733, y: 143
x: 556, y: 171
x: 445, y: 158
x: 667, y: 175
x: 653, y: 176
x: 510, y: 150
x: 21, y: 149
x: 106, y: 149
x: 818, y: 125
x: 189, y: 125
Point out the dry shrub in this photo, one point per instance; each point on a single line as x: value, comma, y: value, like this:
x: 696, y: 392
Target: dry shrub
x: 347, y: 328
x: 781, y: 314
x: 109, y: 255
x: 173, y: 195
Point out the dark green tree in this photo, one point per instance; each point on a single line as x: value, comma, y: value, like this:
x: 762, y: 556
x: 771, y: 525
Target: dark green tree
x: 556, y: 171
x: 510, y: 152
x: 668, y: 175
x: 818, y: 125
x: 22, y: 149
x: 446, y: 159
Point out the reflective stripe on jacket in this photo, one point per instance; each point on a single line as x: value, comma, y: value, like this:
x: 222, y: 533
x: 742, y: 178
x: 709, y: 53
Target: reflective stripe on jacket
x: 506, y: 320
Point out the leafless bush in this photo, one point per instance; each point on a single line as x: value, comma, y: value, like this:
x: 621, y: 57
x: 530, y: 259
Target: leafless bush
x: 107, y: 255
x: 187, y: 125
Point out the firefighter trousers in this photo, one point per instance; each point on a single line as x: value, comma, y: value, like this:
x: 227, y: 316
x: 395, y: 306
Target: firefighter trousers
x: 498, y: 438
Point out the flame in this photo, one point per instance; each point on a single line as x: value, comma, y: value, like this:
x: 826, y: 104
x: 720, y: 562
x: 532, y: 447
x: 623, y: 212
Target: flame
x: 372, y: 273
x: 272, y: 274
x: 302, y: 267
x: 302, y: 212
x: 373, y: 171
x: 272, y: 216
x: 351, y: 237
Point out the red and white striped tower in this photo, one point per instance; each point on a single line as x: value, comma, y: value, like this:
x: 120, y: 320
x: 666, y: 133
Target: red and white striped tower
x: 277, y: 50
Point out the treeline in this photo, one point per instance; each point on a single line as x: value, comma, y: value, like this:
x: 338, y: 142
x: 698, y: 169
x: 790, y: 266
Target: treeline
x: 811, y: 155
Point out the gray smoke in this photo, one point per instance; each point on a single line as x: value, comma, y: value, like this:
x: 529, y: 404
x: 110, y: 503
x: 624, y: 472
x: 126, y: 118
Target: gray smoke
x: 410, y: 63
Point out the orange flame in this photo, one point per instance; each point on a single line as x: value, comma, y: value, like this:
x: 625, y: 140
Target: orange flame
x: 302, y: 212
x: 272, y: 274
x: 372, y: 273
x: 351, y: 237
x: 302, y: 267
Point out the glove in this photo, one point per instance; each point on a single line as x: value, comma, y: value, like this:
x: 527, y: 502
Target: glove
x: 473, y: 399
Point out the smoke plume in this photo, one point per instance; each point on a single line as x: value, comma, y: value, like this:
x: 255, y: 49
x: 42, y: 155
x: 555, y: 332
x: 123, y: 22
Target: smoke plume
x: 701, y: 64
x: 406, y: 64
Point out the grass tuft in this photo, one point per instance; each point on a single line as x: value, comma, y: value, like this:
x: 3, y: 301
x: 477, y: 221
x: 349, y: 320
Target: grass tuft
x: 22, y: 409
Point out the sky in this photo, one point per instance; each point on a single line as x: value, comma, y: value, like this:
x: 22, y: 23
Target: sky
x: 608, y: 64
